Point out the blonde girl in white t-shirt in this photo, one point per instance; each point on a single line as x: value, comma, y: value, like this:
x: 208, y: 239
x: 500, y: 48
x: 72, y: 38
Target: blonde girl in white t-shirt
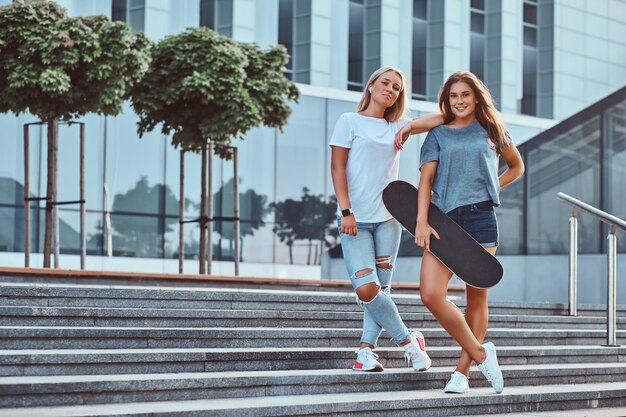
x: 363, y: 162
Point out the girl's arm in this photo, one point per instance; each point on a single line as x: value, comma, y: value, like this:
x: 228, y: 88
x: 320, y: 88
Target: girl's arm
x: 338, y: 163
x: 420, y: 124
x: 515, y: 165
x: 423, y: 230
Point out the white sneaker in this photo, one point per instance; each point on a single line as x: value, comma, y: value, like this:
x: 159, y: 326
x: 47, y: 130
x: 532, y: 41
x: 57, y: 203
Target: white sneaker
x: 415, y: 352
x: 366, y: 361
x: 458, y: 384
x: 491, y: 369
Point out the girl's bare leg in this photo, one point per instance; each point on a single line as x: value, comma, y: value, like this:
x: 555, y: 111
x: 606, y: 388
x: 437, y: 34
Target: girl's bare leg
x: 477, y: 318
x: 434, y: 277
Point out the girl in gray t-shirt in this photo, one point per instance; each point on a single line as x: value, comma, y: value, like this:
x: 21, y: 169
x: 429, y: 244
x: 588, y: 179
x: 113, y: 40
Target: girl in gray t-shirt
x: 459, y: 173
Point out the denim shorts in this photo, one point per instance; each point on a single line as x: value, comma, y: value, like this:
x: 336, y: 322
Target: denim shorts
x: 371, y: 241
x: 479, y: 220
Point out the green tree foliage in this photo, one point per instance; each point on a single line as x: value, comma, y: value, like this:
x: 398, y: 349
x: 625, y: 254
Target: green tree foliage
x: 202, y: 85
x: 59, y: 67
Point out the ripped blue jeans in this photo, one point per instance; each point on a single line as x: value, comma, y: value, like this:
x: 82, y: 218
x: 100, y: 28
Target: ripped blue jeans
x: 375, y: 244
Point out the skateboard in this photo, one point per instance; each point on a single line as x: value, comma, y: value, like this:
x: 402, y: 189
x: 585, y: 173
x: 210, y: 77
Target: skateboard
x: 456, y: 249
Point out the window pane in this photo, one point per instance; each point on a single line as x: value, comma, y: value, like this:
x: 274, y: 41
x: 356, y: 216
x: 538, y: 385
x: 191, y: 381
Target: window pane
x: 418, y: 76
x: 12, y: 160
x: 68, y: 174
x: 136, y: 236
x: 134, y: 167
x: 530, y: 13
x: 511, y: 217
x: 224, y: 13
x: 478, y: 4
x: 355, y: 47
x: 285, y: 27
x: 69, y: 232
x: 529, y: 98
x: 136, y: 19
x: 530, y: 36
x: 477, y: 55
x: 118, y: 10
x: 299, y: 206
x: 615, y: 133
x: 303, y: 29
x: 569, y: 163
x: 12, y: 230
x: 477, y: 23
x: 420, y: 9
x: 207, y: 13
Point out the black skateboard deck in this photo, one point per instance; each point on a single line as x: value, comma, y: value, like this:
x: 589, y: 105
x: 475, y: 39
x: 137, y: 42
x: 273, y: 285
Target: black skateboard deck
x: 456, y: 249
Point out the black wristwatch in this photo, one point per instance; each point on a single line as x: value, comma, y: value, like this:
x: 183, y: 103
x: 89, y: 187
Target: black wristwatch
x: 346, y: 212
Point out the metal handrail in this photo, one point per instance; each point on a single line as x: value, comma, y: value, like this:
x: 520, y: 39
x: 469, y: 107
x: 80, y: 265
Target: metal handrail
x: 615, y: 223
x: 597, y: 213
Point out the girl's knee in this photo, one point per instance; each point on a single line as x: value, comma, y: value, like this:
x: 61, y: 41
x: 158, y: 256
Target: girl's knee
x: 431, y: 298
x: 367, y: 292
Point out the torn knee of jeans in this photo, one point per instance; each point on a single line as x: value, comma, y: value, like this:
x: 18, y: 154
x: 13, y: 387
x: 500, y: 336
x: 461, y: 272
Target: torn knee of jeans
x: 364, y: 303
x: 386, y: 290
x: 384, y: 262
x: 363, y: 272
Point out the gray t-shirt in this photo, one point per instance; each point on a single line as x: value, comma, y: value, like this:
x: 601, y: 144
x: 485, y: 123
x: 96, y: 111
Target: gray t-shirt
x: 467, y: 171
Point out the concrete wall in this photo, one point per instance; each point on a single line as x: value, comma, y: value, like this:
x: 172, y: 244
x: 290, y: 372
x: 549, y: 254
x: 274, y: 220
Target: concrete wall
x: 589, y: 52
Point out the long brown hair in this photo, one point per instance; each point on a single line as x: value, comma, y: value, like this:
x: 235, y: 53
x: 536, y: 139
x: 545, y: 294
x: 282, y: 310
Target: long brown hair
x: 398, y: 109
x: 486, y: 113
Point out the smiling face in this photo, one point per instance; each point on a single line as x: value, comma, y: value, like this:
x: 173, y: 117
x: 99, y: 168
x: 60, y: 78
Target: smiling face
x: 462, y: 100
x: 386, y: 88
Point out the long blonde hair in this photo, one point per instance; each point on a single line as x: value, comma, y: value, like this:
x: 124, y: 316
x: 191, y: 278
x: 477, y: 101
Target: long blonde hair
x: 486, y: 113
x: 398, y: 109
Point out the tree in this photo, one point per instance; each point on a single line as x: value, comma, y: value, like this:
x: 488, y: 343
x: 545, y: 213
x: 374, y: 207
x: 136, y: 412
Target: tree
x: 59, y: 68
x: 203, y: 86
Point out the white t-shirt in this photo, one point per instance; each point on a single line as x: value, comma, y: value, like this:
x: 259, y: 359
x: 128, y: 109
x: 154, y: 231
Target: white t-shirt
x: 372, y: 162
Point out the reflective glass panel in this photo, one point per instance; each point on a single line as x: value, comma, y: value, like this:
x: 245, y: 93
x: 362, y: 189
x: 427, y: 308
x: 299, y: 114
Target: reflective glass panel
x: 569, y: 163
x: 615, y: 160
x: 136, y: 236
x: 300, y: 194
x: 134, y: 167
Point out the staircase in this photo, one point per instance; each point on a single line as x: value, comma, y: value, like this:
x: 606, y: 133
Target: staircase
x: 171, y: 350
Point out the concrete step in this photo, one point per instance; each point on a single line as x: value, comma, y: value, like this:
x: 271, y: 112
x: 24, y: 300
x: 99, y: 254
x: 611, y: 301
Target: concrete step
x: 589, y: 412
x: 37, y: 337
x: 145, y: 361
x: 432, y: 403
x: 66, y: 295
x: 102, y: 389
x: 162, y: 317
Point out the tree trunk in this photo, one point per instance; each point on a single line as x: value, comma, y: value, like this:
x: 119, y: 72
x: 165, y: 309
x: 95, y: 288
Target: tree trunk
x: 290, y: 253
x: 53, y: 132
x: 203, y: 214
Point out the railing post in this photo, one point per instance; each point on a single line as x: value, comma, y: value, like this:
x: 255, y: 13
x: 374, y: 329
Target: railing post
x: 611, y: 333
x: 573, y: 263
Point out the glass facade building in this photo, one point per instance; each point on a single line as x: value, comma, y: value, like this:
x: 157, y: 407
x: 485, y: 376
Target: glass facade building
x: 286, y: 194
